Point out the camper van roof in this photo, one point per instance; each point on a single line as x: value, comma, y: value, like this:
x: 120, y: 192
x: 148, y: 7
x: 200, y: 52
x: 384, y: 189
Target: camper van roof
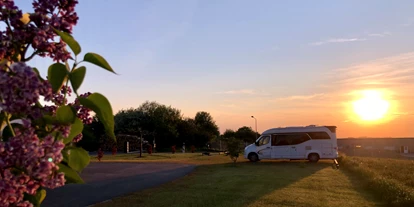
x: 300, y: 128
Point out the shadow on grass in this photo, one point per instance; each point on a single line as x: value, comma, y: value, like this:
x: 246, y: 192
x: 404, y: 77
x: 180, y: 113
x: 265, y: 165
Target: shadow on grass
x: 223, y: 184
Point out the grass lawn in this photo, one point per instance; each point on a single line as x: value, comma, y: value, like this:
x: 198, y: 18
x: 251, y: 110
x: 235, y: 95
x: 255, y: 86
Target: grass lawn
x: 217, y: 182
x: 189, y: 158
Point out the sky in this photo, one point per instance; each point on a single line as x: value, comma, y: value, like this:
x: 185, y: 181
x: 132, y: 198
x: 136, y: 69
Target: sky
x: 288, y: 63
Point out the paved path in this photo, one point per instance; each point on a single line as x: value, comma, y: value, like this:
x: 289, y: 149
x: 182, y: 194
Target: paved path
x: 104, y: 181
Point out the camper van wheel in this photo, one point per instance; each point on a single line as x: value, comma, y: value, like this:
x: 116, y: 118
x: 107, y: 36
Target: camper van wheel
x: 253, y: 157
x: 313, y: 157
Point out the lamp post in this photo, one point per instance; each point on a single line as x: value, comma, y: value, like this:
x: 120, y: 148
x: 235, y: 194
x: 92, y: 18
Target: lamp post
x: 255, y: 122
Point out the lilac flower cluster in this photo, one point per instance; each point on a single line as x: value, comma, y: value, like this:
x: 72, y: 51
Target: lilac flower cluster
x: 38, y: 32
x: 83, y: 112
x: 20, y: 88
x: 29, y: 159
x: 27, y: 163
x: 59, y: 98
x: 78, y: 138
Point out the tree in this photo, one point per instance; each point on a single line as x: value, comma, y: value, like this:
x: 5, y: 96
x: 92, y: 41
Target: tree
x: 207, y: 128
x: 234, y: 148
x: 229, y: 133
x: 130, y: 121
x: 187, y: 131
x: 246, y: 134
x: 91, y: 135
x: 151, y: 120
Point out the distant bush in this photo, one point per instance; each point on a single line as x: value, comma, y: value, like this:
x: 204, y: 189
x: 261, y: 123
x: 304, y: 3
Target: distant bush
x: 173, y: 149
x: 391, y: 179
x: 233, y: 148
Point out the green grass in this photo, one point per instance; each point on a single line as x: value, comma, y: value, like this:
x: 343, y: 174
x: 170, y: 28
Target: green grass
x: 269, y: 183
x: 189, y: 158
x: 395, y: 169
x: 391, y: 179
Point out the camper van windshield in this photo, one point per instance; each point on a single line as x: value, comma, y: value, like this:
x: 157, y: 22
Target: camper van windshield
x: 263, y: 140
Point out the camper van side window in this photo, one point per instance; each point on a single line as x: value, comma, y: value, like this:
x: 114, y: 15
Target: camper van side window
x: 289, y: 139
x: 281, y: 139
x: 299, y: 138
x: 319, y: 135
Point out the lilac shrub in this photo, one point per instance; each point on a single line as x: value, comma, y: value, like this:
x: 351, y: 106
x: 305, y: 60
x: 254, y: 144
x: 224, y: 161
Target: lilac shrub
x: 38, y: 141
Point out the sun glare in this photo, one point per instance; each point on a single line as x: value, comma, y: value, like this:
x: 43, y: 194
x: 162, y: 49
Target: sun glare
x: 371, y: 106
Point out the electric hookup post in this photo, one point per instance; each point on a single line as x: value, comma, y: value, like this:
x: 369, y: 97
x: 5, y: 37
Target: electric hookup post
x: 126, y: 147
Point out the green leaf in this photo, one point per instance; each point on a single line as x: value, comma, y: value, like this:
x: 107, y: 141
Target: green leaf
x: 78, y: 158
x: 75, y: 129
x: 48, y: 119
x: 57, y: 75
x: 101, y: 106
x: 38, y: 73
x: 66, y: 114
x: 71, y: 175
x: 97, y: 60
x: 65, y: 154
x: 76, y: 78
x: 37, y: 199
x: 41, y: 195
x: 70, y: 41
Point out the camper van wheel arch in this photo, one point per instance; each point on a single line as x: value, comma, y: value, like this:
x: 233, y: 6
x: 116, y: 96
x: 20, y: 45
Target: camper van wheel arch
x: 313, y: 157
x: 253, y: 157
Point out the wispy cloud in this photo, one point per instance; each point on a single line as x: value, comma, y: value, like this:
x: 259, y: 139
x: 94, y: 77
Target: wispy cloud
x: 301, y: 97
x: 354, y: 39
x: 243, y: 92
x: 408, y: 24
x: 382, y: 34
x: 228, y: 105
x: 337, y: 40
x: 386, y: 72
x: 403, y: 114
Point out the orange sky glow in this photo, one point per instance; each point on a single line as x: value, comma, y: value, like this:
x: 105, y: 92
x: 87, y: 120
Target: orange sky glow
x: 334, y: 104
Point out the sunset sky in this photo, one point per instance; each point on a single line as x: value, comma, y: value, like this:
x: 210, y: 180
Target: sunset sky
x: 285, y: 62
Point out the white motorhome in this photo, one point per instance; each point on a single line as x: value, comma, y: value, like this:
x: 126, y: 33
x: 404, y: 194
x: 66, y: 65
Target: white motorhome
x: 296, y: 143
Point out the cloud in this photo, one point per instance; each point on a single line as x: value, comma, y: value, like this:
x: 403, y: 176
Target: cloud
x: 403, y: 114
x: 275, y: 48
x: 229, y: 105
x: 383, y: 34
x: 336, y: 40
x: 355, y: 39
x: 385, y: 72
x: 243, y: 92
x: 301, y: 97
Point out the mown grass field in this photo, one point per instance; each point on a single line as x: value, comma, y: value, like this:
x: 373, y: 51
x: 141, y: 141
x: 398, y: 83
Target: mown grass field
x: 217, y: 182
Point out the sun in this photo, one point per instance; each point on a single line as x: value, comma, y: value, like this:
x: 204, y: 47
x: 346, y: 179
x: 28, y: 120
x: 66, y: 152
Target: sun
x: 371, y: 106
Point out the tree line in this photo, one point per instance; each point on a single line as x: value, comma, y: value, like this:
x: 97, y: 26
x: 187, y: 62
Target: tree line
x: 165, y: 126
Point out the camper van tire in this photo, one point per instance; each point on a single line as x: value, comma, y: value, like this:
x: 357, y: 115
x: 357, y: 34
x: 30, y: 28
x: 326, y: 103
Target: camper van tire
x: 253, y: 157
x: 313, y: 157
